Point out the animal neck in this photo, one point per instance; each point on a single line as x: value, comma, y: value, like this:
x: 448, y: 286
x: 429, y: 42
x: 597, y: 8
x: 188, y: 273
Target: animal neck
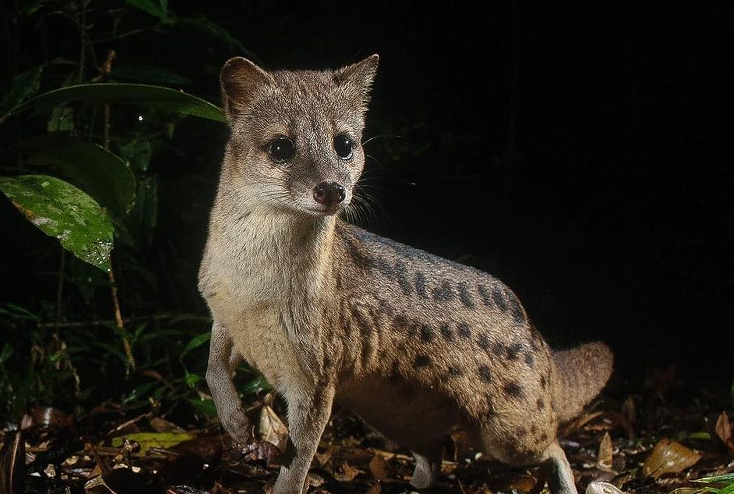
x: 260, y: 234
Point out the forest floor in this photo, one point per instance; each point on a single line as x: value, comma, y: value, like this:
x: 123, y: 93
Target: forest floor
x: 657, y: 441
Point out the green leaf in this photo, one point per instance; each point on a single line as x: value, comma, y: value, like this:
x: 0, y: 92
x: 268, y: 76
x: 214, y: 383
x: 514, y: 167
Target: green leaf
x: 22, y: 86
x: 204, y: 407
x: 86, y: 278
x: 148, y: 74
x: 6, y: 352
x: 139, y: 392
x: 61, y: 210
x: 138, y: 153
x: 148, y: 440
x: 191, y: 379
x: 61, y: 119
x: 256, y: 385
x: 215, y: 31
x: 727, y: 477
x: 195, y: 342
x: 150, y: 7
x: 135, y: 94
x: 100, y: 173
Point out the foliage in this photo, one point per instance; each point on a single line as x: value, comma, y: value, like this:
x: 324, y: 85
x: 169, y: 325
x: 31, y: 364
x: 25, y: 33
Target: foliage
x: 82, y: 169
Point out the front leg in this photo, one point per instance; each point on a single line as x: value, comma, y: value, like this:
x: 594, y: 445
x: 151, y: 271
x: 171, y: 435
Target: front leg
x: 223, y: 359
x: 308, y: 414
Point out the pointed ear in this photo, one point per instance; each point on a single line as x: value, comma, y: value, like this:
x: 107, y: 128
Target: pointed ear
x: 240, y: 81
x: 360, y: 74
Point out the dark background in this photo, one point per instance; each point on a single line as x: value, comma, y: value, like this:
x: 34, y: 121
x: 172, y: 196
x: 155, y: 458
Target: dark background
x: 583, y: 155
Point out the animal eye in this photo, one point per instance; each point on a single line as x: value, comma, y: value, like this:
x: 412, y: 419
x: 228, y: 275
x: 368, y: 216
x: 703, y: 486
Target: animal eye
x: 281, y: 149
x: 343, y: 146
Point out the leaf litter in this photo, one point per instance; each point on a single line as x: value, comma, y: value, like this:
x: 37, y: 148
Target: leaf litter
x: 643, y: 443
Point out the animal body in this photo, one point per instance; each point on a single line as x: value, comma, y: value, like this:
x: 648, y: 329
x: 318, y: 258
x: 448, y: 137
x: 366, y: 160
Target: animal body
x: 415, y: 344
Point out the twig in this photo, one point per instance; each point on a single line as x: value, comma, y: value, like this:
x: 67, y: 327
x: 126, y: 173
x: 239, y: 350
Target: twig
x: 107, y: 322
x: 59, y: 291
x: 118, y: 320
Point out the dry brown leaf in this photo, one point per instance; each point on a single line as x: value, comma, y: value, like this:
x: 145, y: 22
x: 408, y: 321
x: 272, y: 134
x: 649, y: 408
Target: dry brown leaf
x: 162, y: 425
x: 324, y: 458
x: 723, y: 431
x: 378, y: 467
x: 272, y: 429
x: 606, y: 452
x: 595, y: 487
x: 347, y: 473
x: 669, y: 457
x: 375, y: 489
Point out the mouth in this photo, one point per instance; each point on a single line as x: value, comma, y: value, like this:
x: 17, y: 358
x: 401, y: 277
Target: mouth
x: 325, y: 210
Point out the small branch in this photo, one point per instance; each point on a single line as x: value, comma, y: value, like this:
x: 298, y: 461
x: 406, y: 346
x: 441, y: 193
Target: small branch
x: 59, y: 290
x: 107, y: 322
x: 119, y: 321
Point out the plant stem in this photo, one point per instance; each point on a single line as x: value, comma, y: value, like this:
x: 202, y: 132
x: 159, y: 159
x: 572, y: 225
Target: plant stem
x: 59, y: 290
x: 119, y: 321
x: 113, y: 285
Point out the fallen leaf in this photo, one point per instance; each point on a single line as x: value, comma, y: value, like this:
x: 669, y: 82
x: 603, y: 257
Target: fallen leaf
x: 125, y: 481
x: 347, y: 473
x: 606, y: 453
x: 148, y: 440
x: 375, y: 489
x: 323, y: 458
x: 669, y: 457
x: 271, y: 429
x: 12, y: 464
x: 595, y: 487
x: 378, y: 467
x: 163, y: 425
x: 723, y: 431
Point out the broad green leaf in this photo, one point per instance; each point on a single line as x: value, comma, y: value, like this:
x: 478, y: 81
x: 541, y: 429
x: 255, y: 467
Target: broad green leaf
x: 148, y: 74
x: 61, y: 210
x: 148, y: 440
x: 21, y: 87
x: 100, y: 173
x: 135, y: 94
x: 152, y: 8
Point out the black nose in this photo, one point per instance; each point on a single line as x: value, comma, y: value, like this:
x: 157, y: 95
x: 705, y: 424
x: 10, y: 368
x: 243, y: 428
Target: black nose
x: 329, y: 193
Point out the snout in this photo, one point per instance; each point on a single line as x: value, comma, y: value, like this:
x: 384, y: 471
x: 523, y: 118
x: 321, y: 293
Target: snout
x: 329, y: 194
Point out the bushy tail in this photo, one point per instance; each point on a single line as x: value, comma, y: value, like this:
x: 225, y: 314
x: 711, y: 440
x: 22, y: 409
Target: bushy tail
x: 582, y: 373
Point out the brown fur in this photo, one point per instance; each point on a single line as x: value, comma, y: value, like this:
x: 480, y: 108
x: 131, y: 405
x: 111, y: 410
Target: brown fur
x: 413, y: 343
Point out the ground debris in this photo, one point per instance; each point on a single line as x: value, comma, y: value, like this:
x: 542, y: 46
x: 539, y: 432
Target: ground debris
x: 644, y: 443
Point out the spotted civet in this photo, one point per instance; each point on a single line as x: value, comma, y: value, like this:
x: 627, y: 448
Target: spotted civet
x: 415, y: 344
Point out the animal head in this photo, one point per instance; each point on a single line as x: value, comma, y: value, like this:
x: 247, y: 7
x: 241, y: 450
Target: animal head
x: 295, y: 141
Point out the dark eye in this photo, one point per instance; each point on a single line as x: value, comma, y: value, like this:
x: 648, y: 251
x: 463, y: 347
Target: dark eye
x: 343, y: 146
x: 281, y: 149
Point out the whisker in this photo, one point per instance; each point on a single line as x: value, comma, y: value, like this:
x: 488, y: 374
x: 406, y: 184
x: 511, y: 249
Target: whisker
x: 381, y: 136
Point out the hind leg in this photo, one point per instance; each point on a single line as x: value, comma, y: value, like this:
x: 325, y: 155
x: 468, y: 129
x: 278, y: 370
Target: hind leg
x: 560, y: 477
x: 427, y: 464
